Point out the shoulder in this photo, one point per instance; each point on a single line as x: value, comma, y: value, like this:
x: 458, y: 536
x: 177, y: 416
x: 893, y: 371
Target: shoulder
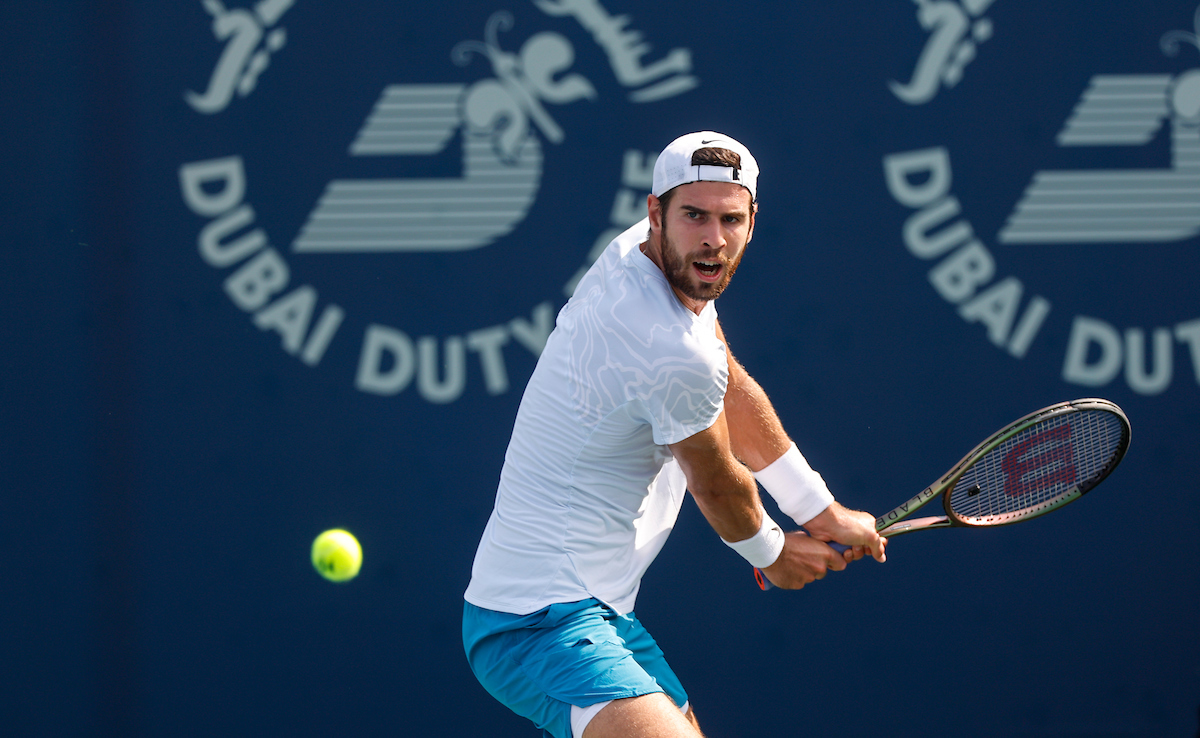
x: 624, y: 328
x: 640, y: 315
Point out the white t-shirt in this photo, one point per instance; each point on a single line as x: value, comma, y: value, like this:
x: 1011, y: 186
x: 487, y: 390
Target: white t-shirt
x: 589, y: 491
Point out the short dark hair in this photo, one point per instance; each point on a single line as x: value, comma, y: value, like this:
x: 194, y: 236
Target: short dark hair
x: 709, y: 156
x: 715, y: 157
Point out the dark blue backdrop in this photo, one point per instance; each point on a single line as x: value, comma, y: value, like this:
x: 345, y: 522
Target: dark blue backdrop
x: 194, y: 393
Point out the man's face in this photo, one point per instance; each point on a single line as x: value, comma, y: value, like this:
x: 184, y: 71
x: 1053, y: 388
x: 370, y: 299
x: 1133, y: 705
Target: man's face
x: 703, y: 234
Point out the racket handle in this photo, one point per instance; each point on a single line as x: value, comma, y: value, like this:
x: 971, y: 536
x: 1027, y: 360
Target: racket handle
x: 764, y: 584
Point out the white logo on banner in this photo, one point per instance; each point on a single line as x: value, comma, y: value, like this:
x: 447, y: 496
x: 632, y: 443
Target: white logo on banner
x: 504, y: 123
x: 1130, y: 206
x: 248, y: 49
x: 1134, y: 206
x: 501, y: 154
x: 956, y: 31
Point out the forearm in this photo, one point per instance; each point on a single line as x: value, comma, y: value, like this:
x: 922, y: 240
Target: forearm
x: 724, y: 490
x: 730, y: 504
x: 732, y: 507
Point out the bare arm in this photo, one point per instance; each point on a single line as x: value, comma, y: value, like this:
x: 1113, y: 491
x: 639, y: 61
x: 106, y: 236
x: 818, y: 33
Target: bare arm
x: 727, y: 495
x: 724, y: 490
x: 756, y: 433
x: 757, y: 437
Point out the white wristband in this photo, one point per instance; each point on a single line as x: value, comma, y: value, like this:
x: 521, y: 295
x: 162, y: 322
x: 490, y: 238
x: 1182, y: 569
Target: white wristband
x: 762, y: 548
x: 799, y: 491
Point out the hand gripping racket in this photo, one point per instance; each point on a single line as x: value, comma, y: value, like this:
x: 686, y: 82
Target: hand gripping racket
x: 1030, y: 467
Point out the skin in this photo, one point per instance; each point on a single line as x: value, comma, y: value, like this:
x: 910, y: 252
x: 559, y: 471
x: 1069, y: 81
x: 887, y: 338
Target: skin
x: 698, y: 242
x: 708, y: 222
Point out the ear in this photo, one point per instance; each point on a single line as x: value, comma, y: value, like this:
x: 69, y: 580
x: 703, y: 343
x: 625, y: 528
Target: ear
x: 654, y: 210
x: 753, y: 212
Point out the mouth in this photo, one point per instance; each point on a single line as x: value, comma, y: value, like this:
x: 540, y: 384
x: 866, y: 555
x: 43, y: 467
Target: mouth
x: 708, y: 271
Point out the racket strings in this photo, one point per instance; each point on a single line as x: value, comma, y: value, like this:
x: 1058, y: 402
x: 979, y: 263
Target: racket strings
x: 1046, y: 464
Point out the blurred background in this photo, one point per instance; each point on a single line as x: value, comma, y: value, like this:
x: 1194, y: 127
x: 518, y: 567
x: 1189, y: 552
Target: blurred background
x: 271, y: 268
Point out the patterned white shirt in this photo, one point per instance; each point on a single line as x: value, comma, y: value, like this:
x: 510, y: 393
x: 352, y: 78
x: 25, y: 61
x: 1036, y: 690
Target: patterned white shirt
x: 589, y: 491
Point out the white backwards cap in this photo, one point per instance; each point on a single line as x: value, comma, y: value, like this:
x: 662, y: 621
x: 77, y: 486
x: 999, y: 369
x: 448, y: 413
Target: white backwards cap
x: 674, y: 165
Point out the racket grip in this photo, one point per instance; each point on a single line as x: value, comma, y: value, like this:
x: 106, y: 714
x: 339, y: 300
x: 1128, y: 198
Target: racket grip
x: 764, y: 584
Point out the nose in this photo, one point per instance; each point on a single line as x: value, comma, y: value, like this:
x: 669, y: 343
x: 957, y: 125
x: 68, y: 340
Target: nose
x: 714, y: 234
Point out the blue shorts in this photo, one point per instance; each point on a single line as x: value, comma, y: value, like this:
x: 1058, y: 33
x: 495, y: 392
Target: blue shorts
x: 573, y: 653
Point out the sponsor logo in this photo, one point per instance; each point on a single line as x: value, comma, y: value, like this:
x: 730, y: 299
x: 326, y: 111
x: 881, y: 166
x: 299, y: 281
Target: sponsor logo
x: 1060, y: 211
x: 955, y: 33
x: 500, y: 124
x: 502, y: 166
x: 1039, y: 462
x: 250, y: 38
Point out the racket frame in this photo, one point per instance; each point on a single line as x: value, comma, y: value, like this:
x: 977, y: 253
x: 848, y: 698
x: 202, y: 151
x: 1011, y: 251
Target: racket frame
x: 895, y: 522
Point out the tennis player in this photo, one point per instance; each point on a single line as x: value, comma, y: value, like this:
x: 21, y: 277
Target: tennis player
x: 636, y: 399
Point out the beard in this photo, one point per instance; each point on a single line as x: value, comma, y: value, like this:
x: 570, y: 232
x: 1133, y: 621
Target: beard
x: 680, y: 275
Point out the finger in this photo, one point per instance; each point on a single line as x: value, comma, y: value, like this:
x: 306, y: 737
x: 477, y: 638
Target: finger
x: 879, y: 551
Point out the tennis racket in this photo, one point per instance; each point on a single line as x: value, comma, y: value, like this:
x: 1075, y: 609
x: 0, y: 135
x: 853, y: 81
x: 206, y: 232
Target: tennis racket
x: 1030, y: 467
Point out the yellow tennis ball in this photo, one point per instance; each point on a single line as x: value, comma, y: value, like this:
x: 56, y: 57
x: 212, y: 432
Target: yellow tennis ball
x: 336, y: 555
